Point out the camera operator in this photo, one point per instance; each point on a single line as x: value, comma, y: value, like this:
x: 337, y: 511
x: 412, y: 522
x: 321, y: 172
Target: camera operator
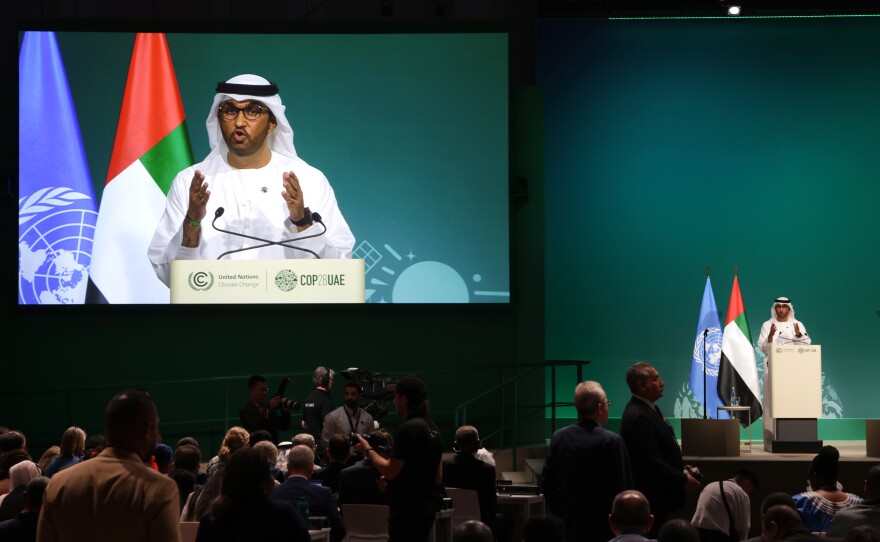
x: 256, y: 414
x: 348, y: 419
x: 414, y: 470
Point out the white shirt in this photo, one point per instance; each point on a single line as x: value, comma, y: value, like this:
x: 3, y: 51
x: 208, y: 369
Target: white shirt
x: 253, y: 206
x: 785, y: 334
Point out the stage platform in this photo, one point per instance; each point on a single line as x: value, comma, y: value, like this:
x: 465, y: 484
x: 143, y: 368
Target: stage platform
x: 780, y: 472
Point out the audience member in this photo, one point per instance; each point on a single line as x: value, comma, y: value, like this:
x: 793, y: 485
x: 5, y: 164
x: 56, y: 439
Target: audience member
x: 867, y: 513
x: 544, y: 529
x: 283, y: 449
x: 23, y: 527
x: 48, y: 456
x: 115, y: 496
x: 349, y: 418
x: 362, y: 483
x: 260, y: 435
x: 724, y: 511
x: 258, y: 415
x: 586, y: 467
x: 94, y: 445
x: 73, y: 442
x: 164, y: 457
x: 771, y: 500
x: 679, y: 530
x: 318, y: 403
x: 20, y: 476
x: 472, y: 531
x: 187, y: 441
x: 306, y: 439
x: 863, y: 533
x: 187, y: 464
x: 465, y: 471
x: 414, y: 469
x: 13, y: 449
x: 236, y: 438
x: 630, y: 517
x: 658, y: 469
x: 298, y: 486
x: 783, y: 522
x: 270, y: 454
x: 244, y: 511
x: 338, y: 452
x: 820, y: 504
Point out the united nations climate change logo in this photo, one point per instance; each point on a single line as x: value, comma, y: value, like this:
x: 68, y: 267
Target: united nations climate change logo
x: 200, y: 280
x: 286, y: 280
x: 56, y: 227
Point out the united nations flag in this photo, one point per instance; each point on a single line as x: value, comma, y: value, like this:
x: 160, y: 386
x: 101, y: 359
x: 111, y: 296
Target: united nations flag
x: 57, y: 211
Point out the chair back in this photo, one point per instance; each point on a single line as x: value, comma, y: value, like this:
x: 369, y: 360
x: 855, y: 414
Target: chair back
x: 365, y: 522
x: 465, y: 505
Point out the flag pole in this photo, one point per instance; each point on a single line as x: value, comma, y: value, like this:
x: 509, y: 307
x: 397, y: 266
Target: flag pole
x: 705, y: 338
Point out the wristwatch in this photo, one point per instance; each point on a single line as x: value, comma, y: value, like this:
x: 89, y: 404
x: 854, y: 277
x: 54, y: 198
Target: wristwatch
x: 306, y: 220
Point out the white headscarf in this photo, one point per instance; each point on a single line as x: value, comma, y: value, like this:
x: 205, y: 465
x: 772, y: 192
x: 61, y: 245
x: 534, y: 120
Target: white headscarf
x: 22, y: 473
x: 280, y: 140
x: 782, y: 301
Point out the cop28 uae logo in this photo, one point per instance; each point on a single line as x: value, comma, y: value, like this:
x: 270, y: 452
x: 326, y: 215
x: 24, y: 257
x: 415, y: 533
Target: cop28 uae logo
x: 286, y: 280
x: 200, y: 280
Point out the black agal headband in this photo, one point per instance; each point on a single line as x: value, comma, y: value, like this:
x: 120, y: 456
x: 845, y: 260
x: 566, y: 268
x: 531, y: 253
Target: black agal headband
x: 252, y: 90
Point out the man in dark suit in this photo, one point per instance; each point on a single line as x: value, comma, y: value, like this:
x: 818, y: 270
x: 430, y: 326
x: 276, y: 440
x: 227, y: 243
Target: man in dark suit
x: 256, y: 414
x: 658, y: 468
x: 298, y: 485
x: 783, y: 522
x: 586, y: 467
x: 465, y: 471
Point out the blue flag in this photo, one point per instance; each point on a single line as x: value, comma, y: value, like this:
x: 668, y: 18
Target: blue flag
x: 707, y: 353
x: 57, y: 210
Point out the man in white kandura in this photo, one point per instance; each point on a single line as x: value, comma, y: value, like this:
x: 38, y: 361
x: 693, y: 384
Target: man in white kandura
x: 255, y: 175
x: 782, y: 328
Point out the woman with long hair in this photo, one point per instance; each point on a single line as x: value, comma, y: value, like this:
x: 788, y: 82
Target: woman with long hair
x: 73, y: 442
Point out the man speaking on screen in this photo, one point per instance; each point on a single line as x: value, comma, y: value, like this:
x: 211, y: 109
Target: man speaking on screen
x: 254, y: 185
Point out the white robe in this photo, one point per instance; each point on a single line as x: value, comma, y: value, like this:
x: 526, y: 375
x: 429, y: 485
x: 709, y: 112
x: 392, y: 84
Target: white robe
x: 253, y: 206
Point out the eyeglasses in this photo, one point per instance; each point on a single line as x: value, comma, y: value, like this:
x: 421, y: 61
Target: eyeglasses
x: 251, y: 111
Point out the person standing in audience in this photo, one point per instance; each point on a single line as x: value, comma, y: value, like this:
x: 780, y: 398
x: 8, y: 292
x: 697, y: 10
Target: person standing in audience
x: 586, y: 467
x: 724, y: 510
x: 318, y: 404
x: 349, y: 418
x: 115, y: 496
x: 819, y: 505
x: 867, y: 513
x: 630, y: 517
x: 73, y: 442
x: 298, y: 486
x: 244, y: 511
x: 658, y: 469
x: 414, y: 469
x: 257, y: 414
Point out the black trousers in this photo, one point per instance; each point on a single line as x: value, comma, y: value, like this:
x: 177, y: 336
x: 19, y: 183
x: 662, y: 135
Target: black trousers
x: 410, y: 527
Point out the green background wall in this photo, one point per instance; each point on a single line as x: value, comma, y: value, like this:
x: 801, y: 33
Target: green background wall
x: 673, y: 145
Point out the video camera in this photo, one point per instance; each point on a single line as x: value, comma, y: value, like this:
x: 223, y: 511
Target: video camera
x: 375, y: 390
x: 287, y: 404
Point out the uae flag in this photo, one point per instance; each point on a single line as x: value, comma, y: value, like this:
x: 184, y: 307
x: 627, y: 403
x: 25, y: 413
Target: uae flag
x: 738, y: 367
x: 151, y: 147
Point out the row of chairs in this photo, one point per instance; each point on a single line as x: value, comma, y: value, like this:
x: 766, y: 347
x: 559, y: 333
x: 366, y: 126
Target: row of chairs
x: 369, y: 522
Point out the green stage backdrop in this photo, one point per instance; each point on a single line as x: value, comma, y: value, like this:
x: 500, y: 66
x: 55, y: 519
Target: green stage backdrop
x: 411, y: 131
x: 673, y: 145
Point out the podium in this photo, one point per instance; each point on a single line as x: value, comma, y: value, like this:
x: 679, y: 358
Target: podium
x: 793, y: 398
x: 267, y: 281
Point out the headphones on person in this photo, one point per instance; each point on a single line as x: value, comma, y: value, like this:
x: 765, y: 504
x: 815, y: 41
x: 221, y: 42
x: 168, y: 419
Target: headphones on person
x: 322, y: 377
x: 456, y: 447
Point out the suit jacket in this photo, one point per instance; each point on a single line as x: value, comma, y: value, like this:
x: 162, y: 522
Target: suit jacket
x: 111, y: 497
x: 321, y: 502
x: 867, y: 513
x: 586, y: 467
x: 655, y: 456
x: 358, y: 485
x: 465, y: 471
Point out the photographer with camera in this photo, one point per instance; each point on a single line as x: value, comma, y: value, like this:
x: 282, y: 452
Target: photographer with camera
x: 275, y: 415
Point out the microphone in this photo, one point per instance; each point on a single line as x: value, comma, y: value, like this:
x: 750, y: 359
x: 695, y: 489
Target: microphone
x: 266, y: 242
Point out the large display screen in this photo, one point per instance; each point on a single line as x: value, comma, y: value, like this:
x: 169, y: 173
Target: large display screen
x: 410, y: 130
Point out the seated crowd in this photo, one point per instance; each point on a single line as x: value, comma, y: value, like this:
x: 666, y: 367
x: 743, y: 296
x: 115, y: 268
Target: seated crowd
x: 127, y: 485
